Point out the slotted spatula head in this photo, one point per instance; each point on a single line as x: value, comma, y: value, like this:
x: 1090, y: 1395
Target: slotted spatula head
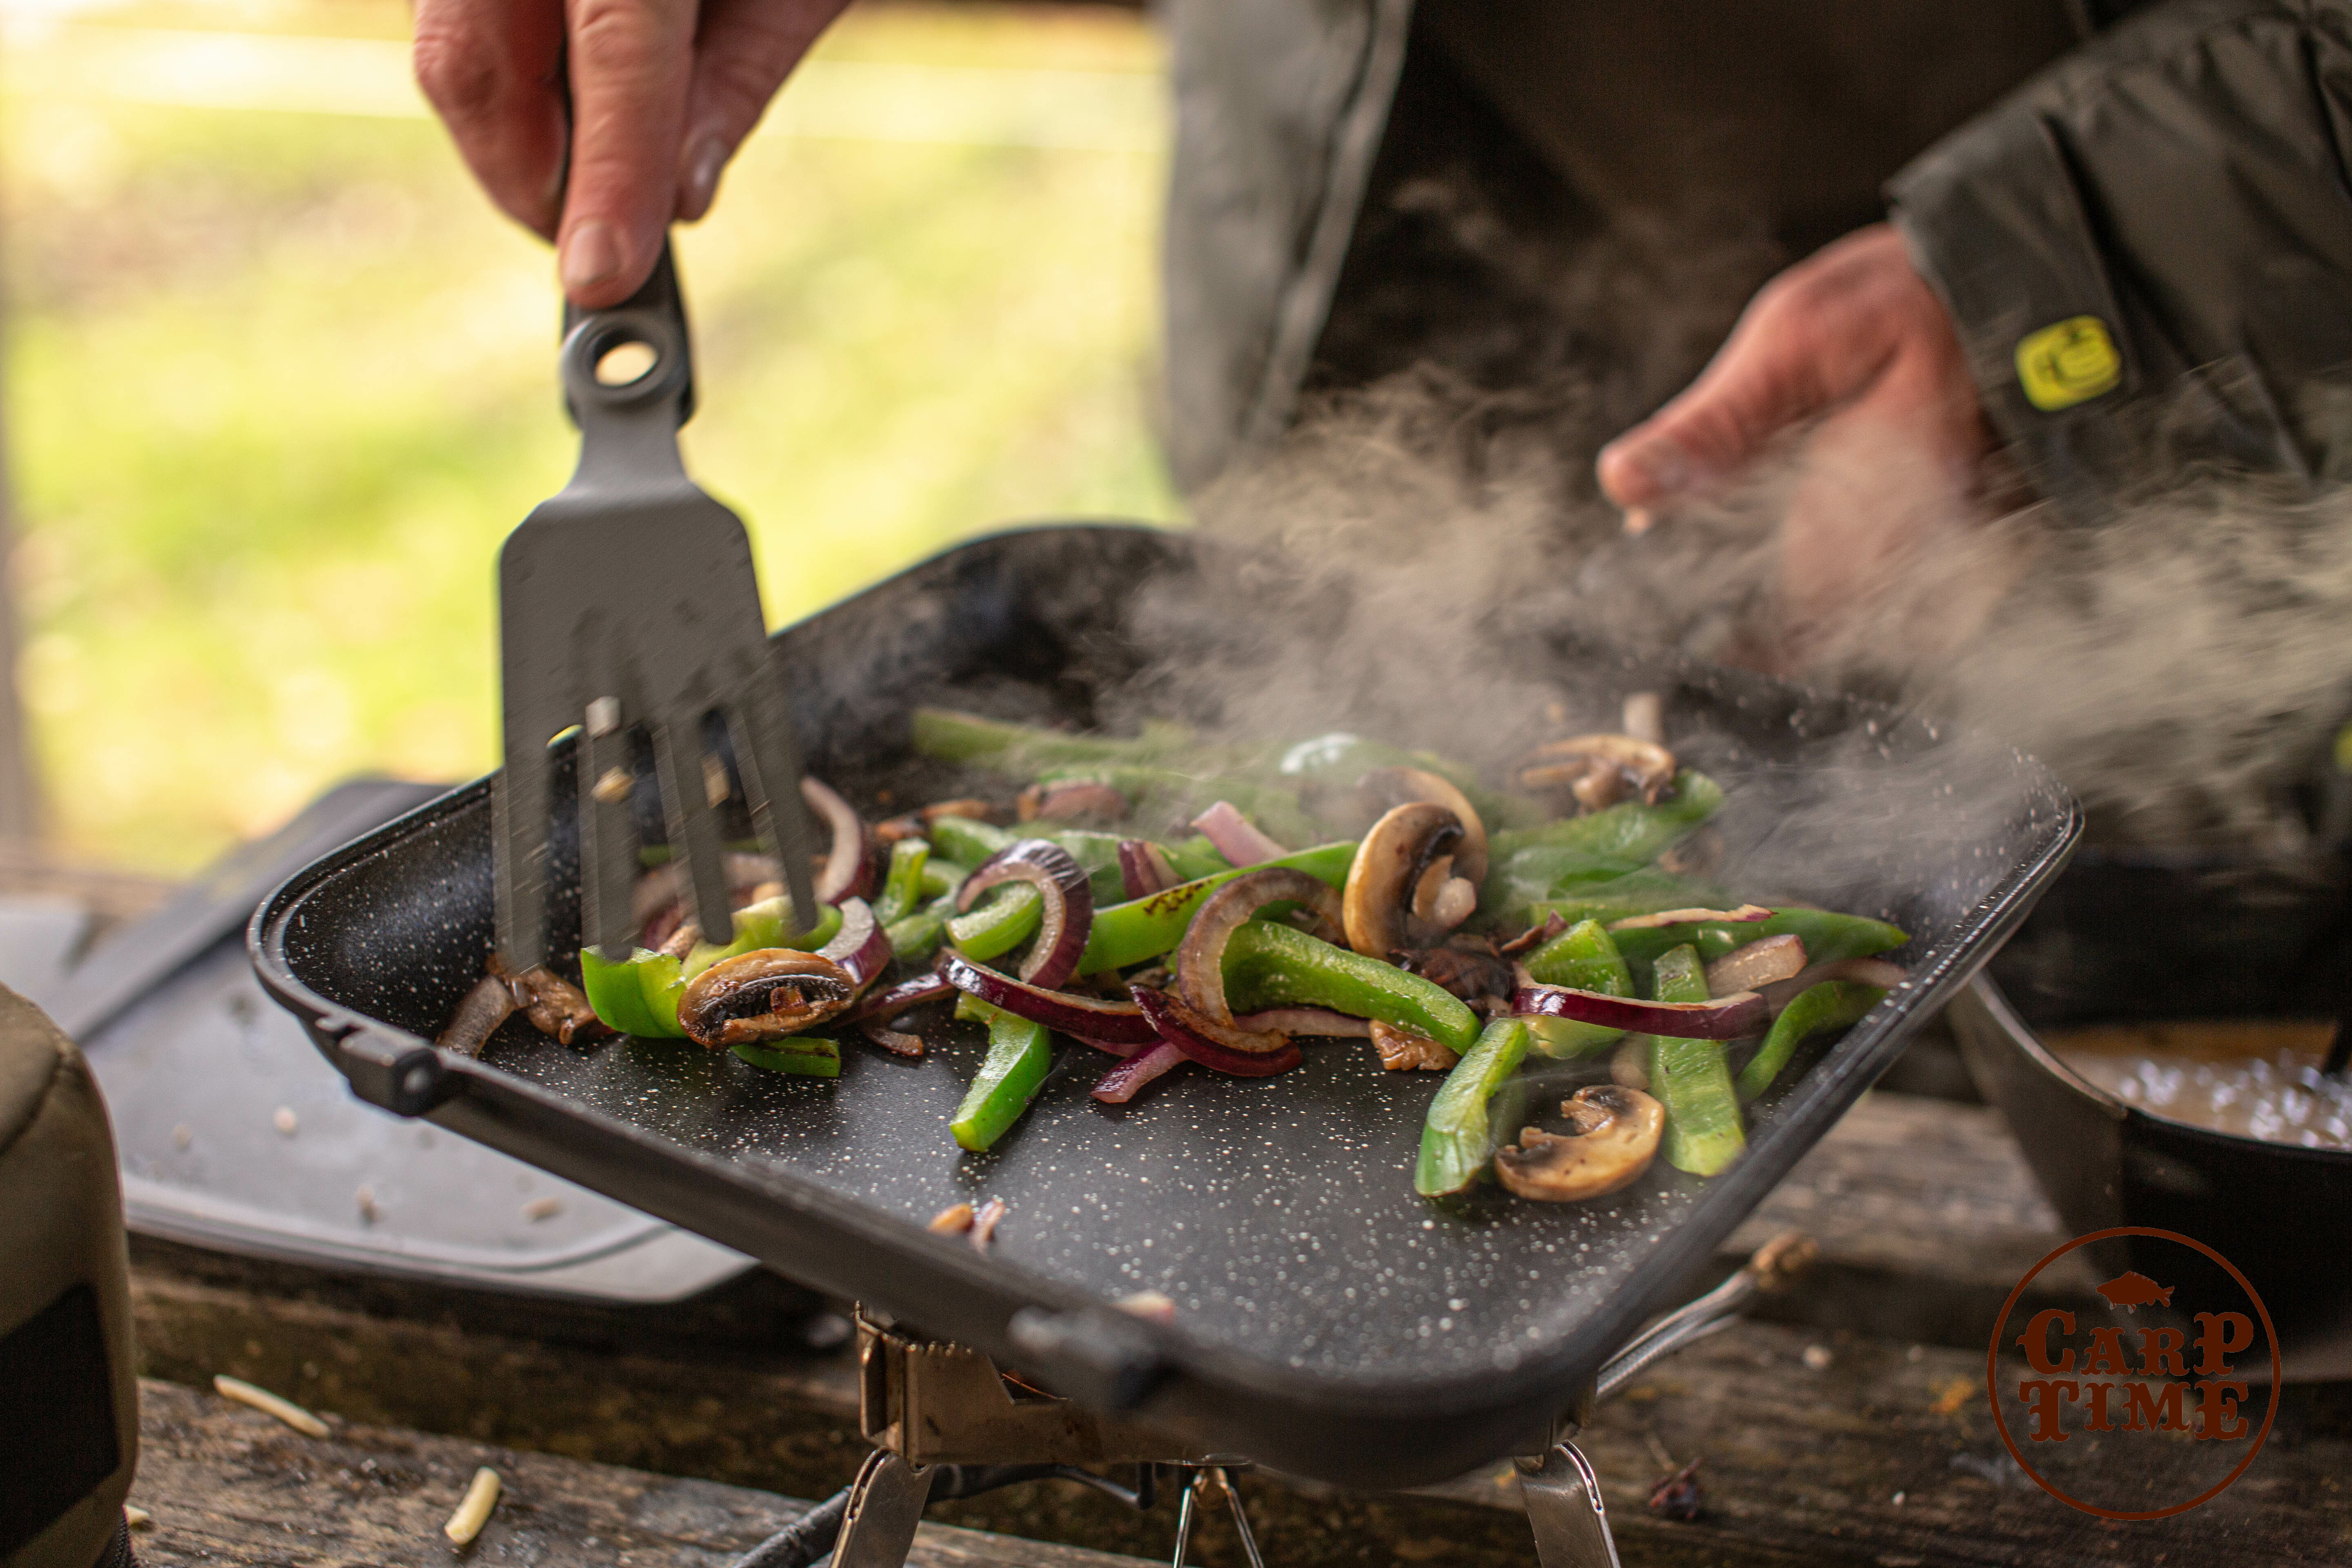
x: 627, y: 604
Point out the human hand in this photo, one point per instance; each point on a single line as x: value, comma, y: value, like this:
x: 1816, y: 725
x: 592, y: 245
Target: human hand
x: 661, y: 94
x: 1854, y: 338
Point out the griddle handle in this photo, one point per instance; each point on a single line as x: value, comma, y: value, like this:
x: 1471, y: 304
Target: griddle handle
x: 1105, y: 1359
x: 395, y: 1071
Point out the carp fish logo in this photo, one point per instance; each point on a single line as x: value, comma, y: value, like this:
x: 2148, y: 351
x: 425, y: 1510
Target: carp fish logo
x: 2083, y: 1404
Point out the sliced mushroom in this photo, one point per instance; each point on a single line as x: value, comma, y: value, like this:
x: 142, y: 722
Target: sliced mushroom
x: 1599, y: 770
x: 1384, y: 789
x: 763, y: 995
x: 1401, y: 1050
x: 1757, y: 965
x: 1612, y: 1136
x: 1467, y: 968
x: 1376, y: 907
x: 554, y: 1004
x: 490, y: 1003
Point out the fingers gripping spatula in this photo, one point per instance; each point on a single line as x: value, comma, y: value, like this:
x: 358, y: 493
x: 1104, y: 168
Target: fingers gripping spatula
x: 627, y: 606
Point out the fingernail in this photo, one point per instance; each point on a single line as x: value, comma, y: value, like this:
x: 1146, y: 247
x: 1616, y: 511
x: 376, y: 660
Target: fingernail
x: 702, y: 171
x: 592, y: 253
x: 1664, y: 464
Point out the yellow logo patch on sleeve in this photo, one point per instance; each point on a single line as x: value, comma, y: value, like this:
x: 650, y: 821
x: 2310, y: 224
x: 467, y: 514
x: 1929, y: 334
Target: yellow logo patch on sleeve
x: 2070, y: 363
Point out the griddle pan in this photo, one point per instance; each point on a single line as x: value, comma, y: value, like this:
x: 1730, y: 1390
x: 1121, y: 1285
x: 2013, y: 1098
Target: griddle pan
x: 1328, y: 1322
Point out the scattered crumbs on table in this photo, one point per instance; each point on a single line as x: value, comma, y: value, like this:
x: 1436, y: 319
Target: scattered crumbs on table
x: 1916, y: 1353
x: 543, y: 1208
x: 137, y: 1518
x: 366, y: 1199
x: 285, y: 1120
x: 1818, y: 1358
x: 952, y: 1220
x: 1150, y: 1305
x: 984, y: 1224
x: 182, y: 1135
x: 269, y: 1404
x: 1952, y: 1394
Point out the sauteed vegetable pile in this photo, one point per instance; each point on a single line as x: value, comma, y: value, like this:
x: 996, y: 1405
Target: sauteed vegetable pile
x: 1565, y: 917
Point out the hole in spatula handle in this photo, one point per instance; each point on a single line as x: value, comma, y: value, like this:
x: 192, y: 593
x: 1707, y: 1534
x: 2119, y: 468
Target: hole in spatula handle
x: 625, y: 362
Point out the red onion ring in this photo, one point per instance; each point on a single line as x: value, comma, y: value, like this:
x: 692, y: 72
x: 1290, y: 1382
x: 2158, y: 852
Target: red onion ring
x: 1859, y: 971
x: 1237, y: 838
x: 860, y: 947
x: 898, y: 1043
x: 1319, y: 1021
x: 1143, y: 869
x: 1123, y: 1082
x: 1115, y: 1023
x: 906, y: 993
x: 1724, y: 1018
x: 1069, y: 899
x: 850, y: 861
x: 1201, y: 956
x: 1743, y: 915
x: 1757, y: 965
x: 1165, y: 1011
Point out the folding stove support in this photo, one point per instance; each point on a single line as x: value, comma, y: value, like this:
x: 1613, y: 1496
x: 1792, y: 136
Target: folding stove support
x: 945, y: 1422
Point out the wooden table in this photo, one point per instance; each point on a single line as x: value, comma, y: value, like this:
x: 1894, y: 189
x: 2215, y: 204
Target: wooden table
x: 1853, y: 1429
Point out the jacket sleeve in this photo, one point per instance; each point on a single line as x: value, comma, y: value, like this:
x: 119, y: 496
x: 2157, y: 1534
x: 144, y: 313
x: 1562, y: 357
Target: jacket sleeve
x: 2148, y: 250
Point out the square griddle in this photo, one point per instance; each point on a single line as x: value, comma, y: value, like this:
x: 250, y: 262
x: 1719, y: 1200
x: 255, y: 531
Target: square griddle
x: 1328, y: 1320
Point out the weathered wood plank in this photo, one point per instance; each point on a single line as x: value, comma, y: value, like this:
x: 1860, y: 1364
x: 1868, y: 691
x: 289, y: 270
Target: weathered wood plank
x: 226, y: 1484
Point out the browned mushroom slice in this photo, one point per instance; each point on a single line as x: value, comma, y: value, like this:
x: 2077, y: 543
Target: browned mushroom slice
x: 1077, y: 800
x: 1376, y: 907
x: 490, y: 1003
x: 556, y: 1007
x: 1613, y: 1134
x: 1598, y: 770
x: 762, y: 995
x: 1401, y: 1050
x: 1384, y: 789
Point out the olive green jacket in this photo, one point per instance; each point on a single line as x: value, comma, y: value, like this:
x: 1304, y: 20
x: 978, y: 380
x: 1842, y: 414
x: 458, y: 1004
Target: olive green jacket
x: 2146, y: 247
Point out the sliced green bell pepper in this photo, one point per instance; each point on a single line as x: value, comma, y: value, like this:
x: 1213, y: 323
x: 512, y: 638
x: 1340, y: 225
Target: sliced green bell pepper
x: 902, y: 885
x: 808, y: 1055
x: 1007, y: 918
x: 1832, y: 1004
x: 1828, y: 937
x: 915, y: 939
x: 1269, y: 965
x: 1691, y: 1080
x: 1196, y: 858
x: 639, y: 994
x: 1020, y: 1054
x: 1582, y: 957
x: 1459, y: 1138
x: 967, y: 841
x: 1531, y: 865
x: 1143, y: 929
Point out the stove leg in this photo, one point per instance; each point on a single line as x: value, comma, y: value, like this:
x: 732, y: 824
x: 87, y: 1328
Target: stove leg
x: 886, y: 1505
x: 1563, y: 1498
x: 1205, y: 1480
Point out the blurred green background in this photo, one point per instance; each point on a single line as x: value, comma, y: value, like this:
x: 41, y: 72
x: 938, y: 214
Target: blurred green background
x: 278, y: 380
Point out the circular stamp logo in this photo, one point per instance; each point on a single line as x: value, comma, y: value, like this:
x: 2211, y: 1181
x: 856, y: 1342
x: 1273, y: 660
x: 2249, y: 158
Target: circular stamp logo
x: 2137, y: 1409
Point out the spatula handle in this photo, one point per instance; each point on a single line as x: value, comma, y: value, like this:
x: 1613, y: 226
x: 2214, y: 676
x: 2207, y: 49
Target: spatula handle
x: 628, y: 427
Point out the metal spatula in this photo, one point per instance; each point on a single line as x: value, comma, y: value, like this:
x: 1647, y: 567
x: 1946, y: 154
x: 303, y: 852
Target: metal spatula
x: 628, y: 605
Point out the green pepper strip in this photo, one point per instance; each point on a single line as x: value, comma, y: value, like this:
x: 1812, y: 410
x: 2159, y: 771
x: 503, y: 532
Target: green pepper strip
x: 902, y: 888
x: 1143, y: 929
x: 1458, y: 1140
x: 1196, y: 858
x: 1016, y: 748
x: 1009, y: 918
x: 1020, y: 1054
x: 967, y: 841
x: 809, y: 1057
x: 639, y: 994
x: 942, y: 875
x: 913, y: 938
x: 1583, y: 957
x: 1534, y: 864
x: 1832, y: 1004
x: 1690, y: 1078
x: 1828, y: 937
x: 1272, y: 966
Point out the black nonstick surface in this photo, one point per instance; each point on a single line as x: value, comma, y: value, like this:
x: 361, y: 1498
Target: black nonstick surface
x: 1327, y: 1320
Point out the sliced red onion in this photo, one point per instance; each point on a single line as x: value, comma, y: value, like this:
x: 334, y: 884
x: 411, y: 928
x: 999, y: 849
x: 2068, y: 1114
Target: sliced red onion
x: 1534, y: 936
x: 1075, y: 800
x: 1069, y: 899
x: 1123, y: 1082
x: 860, y: 947
x: 1304, y: 1021
x: 906, y: 993
x: 1109, y: 1047
x: 1117, y: 1023
x: 1757, y: 965
x: 1177, y: 1024
x: 1858, y: 970
x: 1237, y: 838
x: 1201, y: 956
x: 897, y: 1042
x: 1724, y: 1018
x: 1744, y: 914
x: 851, y: 859
x: 1143, y: 868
